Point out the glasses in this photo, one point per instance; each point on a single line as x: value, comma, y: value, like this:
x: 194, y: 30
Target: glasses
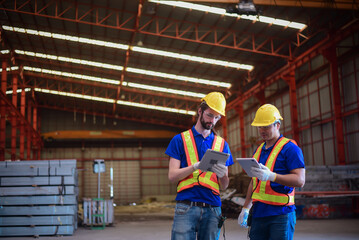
x: 267, y: 127
x: 211, y: 116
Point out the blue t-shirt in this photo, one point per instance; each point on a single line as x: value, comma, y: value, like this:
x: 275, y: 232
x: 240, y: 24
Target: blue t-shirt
x: 289, y: 158
x: 176, y: 150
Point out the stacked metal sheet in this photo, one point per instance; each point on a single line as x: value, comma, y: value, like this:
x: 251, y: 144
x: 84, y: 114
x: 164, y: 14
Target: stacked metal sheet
x: 328, y: 179
x: 38, y: 197
x: 331, y: 178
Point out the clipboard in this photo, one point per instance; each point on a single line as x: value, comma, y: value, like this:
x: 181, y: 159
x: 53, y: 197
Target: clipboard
x: 247, y: 164
x: 212, y: 157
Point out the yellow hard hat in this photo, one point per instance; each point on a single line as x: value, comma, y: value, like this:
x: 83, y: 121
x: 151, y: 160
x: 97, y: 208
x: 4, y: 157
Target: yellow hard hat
x: 266, y: 115
x: 216, y: 101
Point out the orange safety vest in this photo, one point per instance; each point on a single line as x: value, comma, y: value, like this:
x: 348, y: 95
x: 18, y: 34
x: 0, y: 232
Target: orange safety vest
x: 207, y: 179
x: 262, y: 190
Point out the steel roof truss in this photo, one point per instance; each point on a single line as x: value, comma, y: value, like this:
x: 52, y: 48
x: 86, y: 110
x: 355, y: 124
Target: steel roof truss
x: 104, y: 21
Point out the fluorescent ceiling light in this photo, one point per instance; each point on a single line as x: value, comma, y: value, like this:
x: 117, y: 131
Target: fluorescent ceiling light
x: 120, y: 68
x: 74, y: 75
x: 120, y: 102
x: 179, y: 77
x: 221, y: 11
x: 8, y: 69
x: 114, y: 82
x: 134, y: 48
x: 193, y: 58
x: 18, y: 91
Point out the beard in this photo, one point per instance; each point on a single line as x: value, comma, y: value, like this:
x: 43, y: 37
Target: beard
x: 206, y: 125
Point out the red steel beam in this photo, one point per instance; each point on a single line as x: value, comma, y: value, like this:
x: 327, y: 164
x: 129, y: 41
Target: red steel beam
x: 22, y: 125
x: 240, y: 112
x: 21, y: 118
x: 290, y: 79
x: 330, y: 54
x: 183, y: 123
x: 36, y: 146
x: 3, y: 110
x: 128, y: 52
x: 28, y: 136
x: 216, y: 36
x: 317, y: 49
x: 13, y: 117
x: 224, y: 127
x: 261, y: 97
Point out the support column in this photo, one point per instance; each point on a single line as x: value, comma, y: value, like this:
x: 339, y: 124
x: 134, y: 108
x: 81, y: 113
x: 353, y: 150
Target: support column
x: 261, y: 98
x: 13, y: 117
x: 3, y: 111
x: 240, y: 112
x: 290, y: 79
x: 331, y: 55
x: 28, y: 133
x: 84, y: 192
x: 140, y: 153
x: 22, y: 125
x: 39, y: 141
x: 34, y: 125
x: 224, y: 126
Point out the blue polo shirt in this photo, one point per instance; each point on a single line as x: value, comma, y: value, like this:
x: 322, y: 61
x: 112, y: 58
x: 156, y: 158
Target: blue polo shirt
x: 289, y: 158
x: 176, y: 150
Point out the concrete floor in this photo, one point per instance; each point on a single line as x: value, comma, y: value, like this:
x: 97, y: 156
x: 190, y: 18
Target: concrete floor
x: 155, y: 229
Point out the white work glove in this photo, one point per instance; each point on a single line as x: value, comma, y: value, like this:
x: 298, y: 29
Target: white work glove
x: 263, y: 173
x: 219, y: 169
x: 243, y: 217
x: 195, y: 166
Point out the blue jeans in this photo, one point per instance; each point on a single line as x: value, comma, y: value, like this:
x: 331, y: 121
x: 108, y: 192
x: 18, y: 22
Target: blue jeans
x: 279, y: 227
x: 191, y: 221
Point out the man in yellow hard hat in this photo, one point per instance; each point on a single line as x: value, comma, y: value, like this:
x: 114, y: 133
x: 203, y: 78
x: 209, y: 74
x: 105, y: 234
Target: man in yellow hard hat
x: 198, y: 208
x: 271, y: 191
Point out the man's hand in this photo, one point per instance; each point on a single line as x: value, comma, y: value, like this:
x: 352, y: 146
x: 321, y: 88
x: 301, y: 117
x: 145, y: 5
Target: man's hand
x: 243, y: 217
x: 195, y: 166
x: 219, y: 169
x: 263, y: 173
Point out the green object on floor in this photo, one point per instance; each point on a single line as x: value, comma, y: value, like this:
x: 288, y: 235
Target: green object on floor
x: 99, y: 216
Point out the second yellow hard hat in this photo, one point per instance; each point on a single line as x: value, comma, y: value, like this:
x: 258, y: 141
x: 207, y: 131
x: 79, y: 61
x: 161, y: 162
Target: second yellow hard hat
x: 266, y: 115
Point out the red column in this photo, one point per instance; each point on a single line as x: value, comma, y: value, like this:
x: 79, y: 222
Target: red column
x: 261, y: 98
x: 34, y: 124
x: 28, y: 133
x: 22, y: 126
x: 331, y: 55
x: 290, y: 79
x: 240, y: 112
x: 38, y: 157
x: 3, y: 112
x: 13, y: 116
x: 224, y: 125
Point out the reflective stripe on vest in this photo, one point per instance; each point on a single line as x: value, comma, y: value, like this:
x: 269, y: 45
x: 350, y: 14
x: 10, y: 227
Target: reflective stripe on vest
x: 264, y: 192
x: 207, y: 179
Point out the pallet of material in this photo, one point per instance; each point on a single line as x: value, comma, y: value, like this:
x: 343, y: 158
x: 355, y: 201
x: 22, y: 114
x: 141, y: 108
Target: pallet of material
x: 328, y: 179
x: 36, y: 231
x: 38, y: 198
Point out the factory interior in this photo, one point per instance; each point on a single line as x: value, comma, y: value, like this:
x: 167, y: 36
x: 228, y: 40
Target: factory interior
x: 93, y: 91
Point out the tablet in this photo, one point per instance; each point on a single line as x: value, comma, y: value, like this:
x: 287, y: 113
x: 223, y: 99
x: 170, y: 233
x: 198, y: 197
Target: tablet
x: 212, y: 157
x: 247, y: 164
